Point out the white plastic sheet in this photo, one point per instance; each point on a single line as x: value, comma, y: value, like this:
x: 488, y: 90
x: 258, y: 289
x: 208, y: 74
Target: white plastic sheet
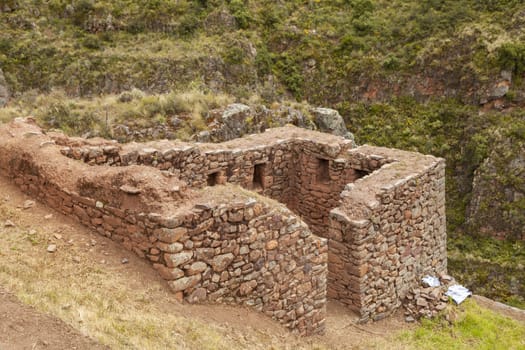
x: 431, y: 281
x: 458, y: 293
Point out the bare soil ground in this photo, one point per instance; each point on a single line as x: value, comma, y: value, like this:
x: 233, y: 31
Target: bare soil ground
x: 90, y: 292
x: 23, y: 327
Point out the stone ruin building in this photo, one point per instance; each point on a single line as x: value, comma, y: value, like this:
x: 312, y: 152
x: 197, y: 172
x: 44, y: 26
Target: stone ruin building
x: 278, y: 221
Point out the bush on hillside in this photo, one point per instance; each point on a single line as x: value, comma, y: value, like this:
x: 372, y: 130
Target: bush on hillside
x: 511, y: 56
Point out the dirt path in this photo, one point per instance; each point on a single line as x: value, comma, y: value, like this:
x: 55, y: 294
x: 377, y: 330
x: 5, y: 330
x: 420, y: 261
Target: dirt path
x: 22, y: 327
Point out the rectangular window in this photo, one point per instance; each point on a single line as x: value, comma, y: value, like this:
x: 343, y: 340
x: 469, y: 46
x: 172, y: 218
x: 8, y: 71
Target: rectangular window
x: 258, y: 175
x: 323, y: 170
x: 212, y: 179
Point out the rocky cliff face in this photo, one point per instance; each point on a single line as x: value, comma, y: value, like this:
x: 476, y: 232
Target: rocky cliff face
x: 497, y: 206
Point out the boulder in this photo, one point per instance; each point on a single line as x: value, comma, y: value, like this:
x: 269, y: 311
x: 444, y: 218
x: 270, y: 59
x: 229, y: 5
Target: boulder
x: 8, y: 6
x: 220, y: 21
x: 184, y: 283
x: 221, y: 262
x: 238, y: 120
x: 232, y: 122
x: 499, y: 90
x: 174, y: 260
x: 330, y: 121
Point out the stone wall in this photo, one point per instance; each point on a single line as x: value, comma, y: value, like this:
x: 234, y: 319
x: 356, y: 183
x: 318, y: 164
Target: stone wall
x: 388, y: 232
x: 318, y: 179
x: 250, y: 253
x: 219, y: 244
x: 380, y: 213
x: 279, y: 168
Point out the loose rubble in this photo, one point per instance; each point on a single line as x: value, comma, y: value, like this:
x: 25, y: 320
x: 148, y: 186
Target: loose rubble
x: 425, y: 301
x: 28, y: 204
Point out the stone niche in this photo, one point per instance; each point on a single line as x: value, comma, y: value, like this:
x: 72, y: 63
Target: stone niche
x: 279, y: 221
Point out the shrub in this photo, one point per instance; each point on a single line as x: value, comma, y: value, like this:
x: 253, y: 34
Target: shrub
x: 351, y: 43
x: 361, y: 7
x: 82, y: 9
x: 188, y: 25
x: 391, y: 63
x: 511, y: 56
x: 263, y: 61
x: 271, y: 16
x: 92, y: 42
x: 290, y: 73
x: 60, y: 115
x: 234, y: 55
x: 363, y: 25
x: 240, y: 13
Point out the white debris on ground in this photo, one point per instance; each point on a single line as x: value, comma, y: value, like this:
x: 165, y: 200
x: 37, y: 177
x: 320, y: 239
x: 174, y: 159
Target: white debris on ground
x: 431, y: 281
x: 432, y: 297
x: 458, y: 293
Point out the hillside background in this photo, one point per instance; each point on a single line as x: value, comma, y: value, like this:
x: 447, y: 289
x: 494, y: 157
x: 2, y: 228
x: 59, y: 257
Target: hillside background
x: 444, y: 77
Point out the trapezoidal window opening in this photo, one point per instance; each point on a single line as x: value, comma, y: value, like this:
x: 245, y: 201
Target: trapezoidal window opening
x: 259, y: 171
x: 360, y: 173
x: 323, y: 170
x: 212, y: 179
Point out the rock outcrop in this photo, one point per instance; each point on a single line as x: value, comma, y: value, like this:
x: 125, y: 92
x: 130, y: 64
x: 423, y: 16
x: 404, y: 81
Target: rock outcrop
x: 232, y: 123
x: 330, y: 121
x: 8, y: 5
x: 238, y: 120
x: 497, y: 205
x: 4, y: 91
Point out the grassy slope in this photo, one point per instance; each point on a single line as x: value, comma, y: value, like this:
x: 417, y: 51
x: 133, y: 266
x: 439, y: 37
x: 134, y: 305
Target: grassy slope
x: 473, y: 328
x: 459, y: 43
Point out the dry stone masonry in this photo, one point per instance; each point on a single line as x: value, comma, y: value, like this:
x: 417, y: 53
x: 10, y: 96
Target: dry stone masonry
x: 279, y: 221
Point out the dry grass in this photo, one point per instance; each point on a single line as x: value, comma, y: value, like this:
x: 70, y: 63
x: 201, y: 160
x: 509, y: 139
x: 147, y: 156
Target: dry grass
x: 105, y: 300
x: 77, y: 116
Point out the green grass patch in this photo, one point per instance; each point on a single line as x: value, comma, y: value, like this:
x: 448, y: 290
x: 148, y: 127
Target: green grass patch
x: 474, y: 327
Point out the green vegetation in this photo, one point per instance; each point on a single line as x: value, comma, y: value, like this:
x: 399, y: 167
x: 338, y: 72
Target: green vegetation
x: 473, y: 327
x: 492, y: 268
x: 445, y: 128
x: 316, y: 50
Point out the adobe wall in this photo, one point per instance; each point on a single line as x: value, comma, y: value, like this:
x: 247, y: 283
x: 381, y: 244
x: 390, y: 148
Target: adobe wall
x: 380, y: 212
